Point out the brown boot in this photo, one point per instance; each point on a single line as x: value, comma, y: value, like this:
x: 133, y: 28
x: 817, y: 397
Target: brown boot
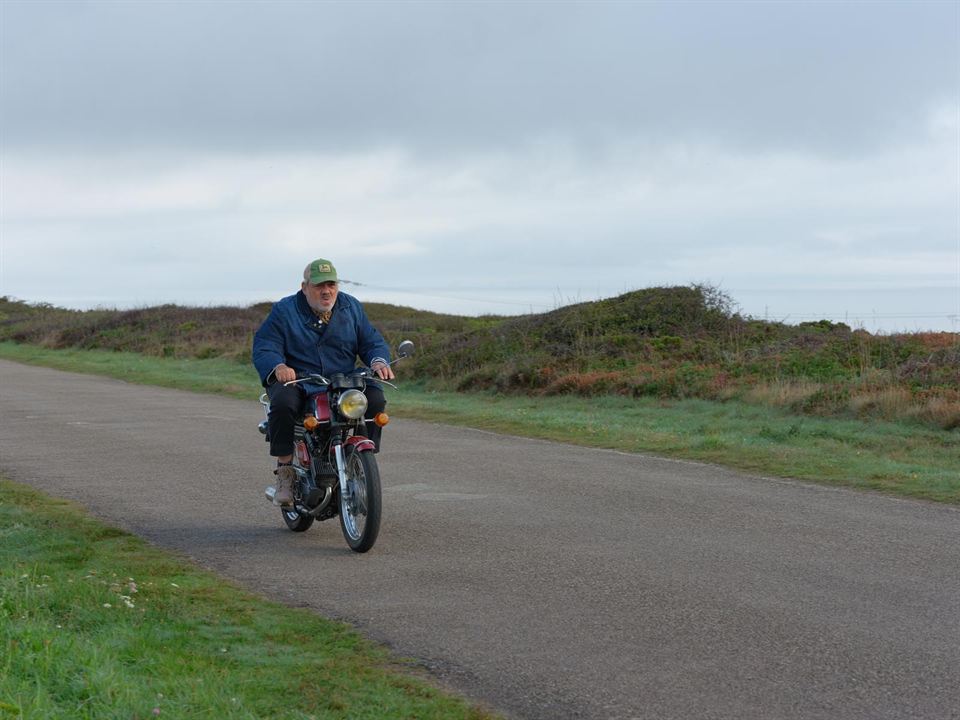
x: 285, y: 477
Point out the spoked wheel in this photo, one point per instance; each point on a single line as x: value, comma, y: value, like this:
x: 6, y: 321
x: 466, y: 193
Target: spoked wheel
x: 360, y: 505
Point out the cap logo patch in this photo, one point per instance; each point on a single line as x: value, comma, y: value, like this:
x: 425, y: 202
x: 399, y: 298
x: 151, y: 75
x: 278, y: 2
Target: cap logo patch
x: 323, y: 268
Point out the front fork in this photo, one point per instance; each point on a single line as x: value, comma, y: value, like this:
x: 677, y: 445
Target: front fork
x: 361, y: 444
x: 339, y: 456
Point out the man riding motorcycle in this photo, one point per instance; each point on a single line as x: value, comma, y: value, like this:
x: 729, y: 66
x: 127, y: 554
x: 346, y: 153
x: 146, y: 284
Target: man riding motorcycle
x: 317, y: 330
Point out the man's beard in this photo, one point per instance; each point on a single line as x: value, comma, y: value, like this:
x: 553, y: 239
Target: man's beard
x: 317, y: 306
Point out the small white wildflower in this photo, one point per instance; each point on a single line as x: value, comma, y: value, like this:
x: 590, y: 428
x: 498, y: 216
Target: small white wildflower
x: 175, y: 585
x: 223, y: 649
x: 133, y: 587
x: 107, y: 605
x: 128, y: 603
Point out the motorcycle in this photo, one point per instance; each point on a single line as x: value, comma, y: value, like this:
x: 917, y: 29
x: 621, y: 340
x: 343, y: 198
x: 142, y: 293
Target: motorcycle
x: 337, y: 472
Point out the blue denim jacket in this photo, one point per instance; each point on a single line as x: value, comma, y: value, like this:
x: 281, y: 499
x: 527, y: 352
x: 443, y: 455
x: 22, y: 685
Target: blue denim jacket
x: 293, y: 335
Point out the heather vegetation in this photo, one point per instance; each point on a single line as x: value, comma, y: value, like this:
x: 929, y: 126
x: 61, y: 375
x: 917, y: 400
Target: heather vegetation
x: 665, y: 343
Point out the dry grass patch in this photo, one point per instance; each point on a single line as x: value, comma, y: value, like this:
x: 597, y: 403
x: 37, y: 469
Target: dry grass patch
x: 786, y: 394
x: 887, y: 403
x: 590, y: 383
x: 937, y: 411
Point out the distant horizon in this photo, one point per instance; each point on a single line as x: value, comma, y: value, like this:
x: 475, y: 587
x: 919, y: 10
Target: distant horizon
x: 873, y: 322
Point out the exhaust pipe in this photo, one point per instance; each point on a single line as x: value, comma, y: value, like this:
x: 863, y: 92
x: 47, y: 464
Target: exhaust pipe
x: 323, y: 503
x: 271, y: 491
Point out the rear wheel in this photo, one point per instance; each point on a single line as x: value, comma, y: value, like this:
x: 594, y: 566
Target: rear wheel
x: 360, y: 505
x: 295, y: 521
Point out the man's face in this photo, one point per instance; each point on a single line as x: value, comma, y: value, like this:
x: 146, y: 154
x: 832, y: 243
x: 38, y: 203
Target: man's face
x: 321, y: 297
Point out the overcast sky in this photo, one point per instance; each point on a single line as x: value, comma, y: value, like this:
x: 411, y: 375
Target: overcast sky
x: 486, y: 157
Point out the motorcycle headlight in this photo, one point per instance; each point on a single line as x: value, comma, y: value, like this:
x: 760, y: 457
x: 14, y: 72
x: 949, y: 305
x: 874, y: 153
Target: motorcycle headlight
x: 352, y: 404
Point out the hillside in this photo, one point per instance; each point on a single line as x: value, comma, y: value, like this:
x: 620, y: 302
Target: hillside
x: 669, y: 342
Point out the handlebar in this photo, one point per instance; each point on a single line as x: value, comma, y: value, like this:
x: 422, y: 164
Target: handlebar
x: 405, y: 350
x: 361, y: 372
x: 315, y: 377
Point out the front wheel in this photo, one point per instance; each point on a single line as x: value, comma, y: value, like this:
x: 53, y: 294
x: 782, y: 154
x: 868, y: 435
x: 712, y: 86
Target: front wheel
x: 360, y: 505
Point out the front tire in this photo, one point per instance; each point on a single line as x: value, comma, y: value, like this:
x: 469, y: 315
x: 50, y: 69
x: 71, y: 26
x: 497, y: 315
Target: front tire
x: 360, y: 507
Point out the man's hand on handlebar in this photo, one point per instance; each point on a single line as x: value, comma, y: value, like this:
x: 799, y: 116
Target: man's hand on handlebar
x: 284, y: 373
x: 383, y: 371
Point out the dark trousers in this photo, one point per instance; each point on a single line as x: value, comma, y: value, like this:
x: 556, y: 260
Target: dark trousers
x: 286, y: 406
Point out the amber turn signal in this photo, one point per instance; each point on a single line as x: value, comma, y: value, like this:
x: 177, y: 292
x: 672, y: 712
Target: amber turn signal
x: 310, y: 422
x: 381, y: 419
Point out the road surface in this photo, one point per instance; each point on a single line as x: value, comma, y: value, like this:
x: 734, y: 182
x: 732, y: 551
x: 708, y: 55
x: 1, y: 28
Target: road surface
x: 546, y: 580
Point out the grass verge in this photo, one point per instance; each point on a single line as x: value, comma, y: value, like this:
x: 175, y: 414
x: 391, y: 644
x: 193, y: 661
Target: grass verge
x: 891, y: 457
x: 895, y: 457
x: 95, y: 623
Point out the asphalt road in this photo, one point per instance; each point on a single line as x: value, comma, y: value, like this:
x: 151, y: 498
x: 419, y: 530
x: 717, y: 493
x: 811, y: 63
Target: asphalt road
x: 548, y: 581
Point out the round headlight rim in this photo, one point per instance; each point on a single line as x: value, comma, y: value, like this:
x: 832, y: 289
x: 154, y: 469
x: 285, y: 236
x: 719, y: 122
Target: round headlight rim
x: 352, y: 404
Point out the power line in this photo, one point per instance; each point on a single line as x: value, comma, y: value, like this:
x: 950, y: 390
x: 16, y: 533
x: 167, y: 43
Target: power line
x: 869, y: 316
x: 417, y: 293
x: 848, y: 316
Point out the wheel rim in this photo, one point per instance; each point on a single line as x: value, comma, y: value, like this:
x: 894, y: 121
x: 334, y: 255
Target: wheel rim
x: 353, y: 506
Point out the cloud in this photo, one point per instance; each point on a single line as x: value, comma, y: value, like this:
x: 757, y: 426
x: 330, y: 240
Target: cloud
x: 629, y: 215
x: 94, y: 186
x: 943, y: 119
x: 514, y: 155
x: 829, y: 77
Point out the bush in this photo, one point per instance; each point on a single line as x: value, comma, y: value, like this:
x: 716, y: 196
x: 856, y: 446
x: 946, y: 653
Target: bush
x: 668, y: 342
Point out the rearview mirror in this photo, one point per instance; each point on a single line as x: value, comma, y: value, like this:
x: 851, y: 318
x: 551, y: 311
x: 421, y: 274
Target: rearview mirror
x: 405, y: 349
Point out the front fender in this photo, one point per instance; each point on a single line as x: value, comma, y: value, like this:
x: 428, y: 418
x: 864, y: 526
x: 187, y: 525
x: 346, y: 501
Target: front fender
x: 360, y: 443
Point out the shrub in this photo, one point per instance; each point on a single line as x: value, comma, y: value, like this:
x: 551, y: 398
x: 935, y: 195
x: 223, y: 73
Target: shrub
x: 668, y: 342
x: 888, y: 403
x: 592, y: 383
x: 939, y: 412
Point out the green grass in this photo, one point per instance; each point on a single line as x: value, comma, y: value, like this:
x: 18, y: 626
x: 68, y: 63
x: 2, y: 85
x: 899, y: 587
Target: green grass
x: 94, y: 623
x: 214, y: 375
x: 896, y: 458
x: 899, y: 458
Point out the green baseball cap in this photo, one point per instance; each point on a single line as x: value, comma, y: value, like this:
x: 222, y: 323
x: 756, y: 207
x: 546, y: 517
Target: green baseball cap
x: 320, y: 271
